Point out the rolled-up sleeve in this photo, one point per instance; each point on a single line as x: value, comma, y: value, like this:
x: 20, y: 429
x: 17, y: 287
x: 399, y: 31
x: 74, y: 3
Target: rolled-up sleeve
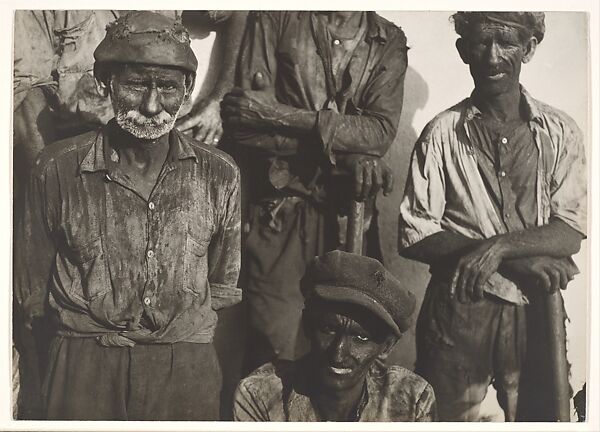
x: 224, y: 251
x: 423, y: 205
x: 568, y: 185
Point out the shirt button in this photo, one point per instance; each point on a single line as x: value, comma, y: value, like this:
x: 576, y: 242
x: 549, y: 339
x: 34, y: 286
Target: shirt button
x: 147, y: 301
x: 507, y: 216
x: 107, y: 178
x: 503, y: 140
x: 151, y: 205
x: 336, y: 42
x: 150, y: 253
x: 502, y: 173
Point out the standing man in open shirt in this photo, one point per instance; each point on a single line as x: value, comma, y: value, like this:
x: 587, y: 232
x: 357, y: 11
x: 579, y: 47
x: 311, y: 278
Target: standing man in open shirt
x: 495, y: 202
x: 130, y: 240
x: 317, y: 90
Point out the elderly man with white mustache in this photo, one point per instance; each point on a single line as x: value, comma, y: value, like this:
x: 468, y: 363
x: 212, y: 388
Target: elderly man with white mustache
x: 130, y: 241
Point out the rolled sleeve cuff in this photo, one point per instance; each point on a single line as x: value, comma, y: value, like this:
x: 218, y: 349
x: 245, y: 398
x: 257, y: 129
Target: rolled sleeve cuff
x: 223, y: 296
x: 575, y: 221
x: 326, y: 128
x: 409, y: 236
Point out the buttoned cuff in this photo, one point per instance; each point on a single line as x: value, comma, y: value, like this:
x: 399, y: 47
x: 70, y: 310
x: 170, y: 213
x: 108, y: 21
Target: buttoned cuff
x: 223, y: 296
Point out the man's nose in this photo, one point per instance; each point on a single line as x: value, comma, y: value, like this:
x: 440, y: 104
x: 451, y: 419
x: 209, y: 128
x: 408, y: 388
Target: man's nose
x: 340, y: 349
x: 494, y: 53
x: 151, y: 104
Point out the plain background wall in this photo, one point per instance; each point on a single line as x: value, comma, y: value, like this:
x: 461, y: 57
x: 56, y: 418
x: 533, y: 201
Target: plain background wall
x: 436, y: 79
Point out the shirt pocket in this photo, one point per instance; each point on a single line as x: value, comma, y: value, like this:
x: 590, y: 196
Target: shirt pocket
x: 195, y: 275
x: 92, y: 265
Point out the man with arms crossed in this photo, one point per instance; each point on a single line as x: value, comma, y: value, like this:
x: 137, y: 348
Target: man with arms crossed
x: 495, y: 203
x: 130, y: 241
x: 318, y: 90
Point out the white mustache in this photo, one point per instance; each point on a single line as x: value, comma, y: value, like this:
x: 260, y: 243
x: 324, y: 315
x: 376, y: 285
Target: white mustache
x: 145, y: 127
x: 141, y: 120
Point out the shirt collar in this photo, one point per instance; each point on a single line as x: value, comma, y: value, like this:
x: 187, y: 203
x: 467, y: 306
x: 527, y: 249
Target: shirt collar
x: 298, y: 404
x: 530, y: 105
x: 95, y: 159
x: 375, y: 31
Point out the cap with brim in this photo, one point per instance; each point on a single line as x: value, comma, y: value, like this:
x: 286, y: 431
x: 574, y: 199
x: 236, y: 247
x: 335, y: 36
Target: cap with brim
x: 348, y: 295
x: 145, y: 37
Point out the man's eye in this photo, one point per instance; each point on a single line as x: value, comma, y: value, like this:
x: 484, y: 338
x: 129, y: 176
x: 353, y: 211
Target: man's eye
x: 135, y: 86
x: 327, y: 329
x: 362, y: 338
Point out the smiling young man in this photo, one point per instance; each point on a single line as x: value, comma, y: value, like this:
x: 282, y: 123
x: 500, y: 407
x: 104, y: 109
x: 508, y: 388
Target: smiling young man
x: 130, y: 242
x: 495, y: 203
x: 355, y: 312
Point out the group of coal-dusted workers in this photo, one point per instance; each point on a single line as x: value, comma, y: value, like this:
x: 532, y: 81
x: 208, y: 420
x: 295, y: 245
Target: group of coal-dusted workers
x: 139, y: 215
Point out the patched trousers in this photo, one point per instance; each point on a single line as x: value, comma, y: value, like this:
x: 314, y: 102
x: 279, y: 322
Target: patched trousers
x: 87, y: 381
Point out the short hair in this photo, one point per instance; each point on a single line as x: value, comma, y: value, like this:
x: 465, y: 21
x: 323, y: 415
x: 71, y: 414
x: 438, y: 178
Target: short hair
x: 528, y: 23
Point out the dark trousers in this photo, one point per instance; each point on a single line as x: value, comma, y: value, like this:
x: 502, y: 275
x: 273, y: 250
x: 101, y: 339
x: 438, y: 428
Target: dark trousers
x: 87, y: 381
x: 462, y: 348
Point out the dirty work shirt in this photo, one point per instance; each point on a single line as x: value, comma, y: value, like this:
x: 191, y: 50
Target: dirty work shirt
x: 111, y: 263
x: 447, y: 190
x: 369, y: 84
x: 279, y: 393
x: 292, y: 199
x: 461, y: 181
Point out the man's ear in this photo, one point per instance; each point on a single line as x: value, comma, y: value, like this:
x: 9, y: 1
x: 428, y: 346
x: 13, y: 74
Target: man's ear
x: 388, y: 346
x: 102, y: 78
x: 529, y: 49
x: 101, y: 87
x: 190, y: 81
x: 461, y: 47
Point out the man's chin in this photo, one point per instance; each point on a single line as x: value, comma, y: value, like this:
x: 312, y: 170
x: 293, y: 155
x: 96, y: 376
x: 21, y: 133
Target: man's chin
x: 338, y: 380
x: 146, y: 132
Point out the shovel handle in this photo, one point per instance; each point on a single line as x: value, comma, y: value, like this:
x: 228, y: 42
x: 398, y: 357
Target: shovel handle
x: 558, y: 353
x: 354, y: 237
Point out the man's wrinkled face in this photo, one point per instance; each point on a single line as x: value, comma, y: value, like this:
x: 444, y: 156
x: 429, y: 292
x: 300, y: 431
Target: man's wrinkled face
x: 494, y: 53
x: 346, y: 341
x: 147, y: 99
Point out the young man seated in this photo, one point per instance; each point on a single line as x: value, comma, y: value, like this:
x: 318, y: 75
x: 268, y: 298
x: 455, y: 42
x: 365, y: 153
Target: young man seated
x: 355, y: 313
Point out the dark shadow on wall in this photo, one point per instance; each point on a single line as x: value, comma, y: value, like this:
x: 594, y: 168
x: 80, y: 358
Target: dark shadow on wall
x: 414, y: 275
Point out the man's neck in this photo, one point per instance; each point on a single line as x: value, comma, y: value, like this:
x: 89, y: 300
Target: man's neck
x: 338, y: 406
x: 503, y: 107
x: 344, y: 24
x: 141, y: 154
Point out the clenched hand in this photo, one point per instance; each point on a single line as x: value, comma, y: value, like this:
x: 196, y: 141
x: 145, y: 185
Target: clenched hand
x: 474, y: 269
x: 371, y: 174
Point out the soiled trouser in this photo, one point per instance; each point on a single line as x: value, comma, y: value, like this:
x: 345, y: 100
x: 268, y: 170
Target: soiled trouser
x: 462, y: 348
x: 284, y: 236
x: 87, y: 381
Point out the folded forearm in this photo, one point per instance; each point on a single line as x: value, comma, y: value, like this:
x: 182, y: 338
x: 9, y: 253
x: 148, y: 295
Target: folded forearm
x: 439, y: 247
x: 557, y: 239
x: 363, y: 134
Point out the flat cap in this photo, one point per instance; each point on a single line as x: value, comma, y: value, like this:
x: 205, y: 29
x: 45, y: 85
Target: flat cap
x: 348, y: 278
x: 149, y: 38
x: 531, y: 21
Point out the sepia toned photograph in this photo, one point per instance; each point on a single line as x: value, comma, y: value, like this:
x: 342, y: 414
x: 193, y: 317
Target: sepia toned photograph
x: 300, y: 216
